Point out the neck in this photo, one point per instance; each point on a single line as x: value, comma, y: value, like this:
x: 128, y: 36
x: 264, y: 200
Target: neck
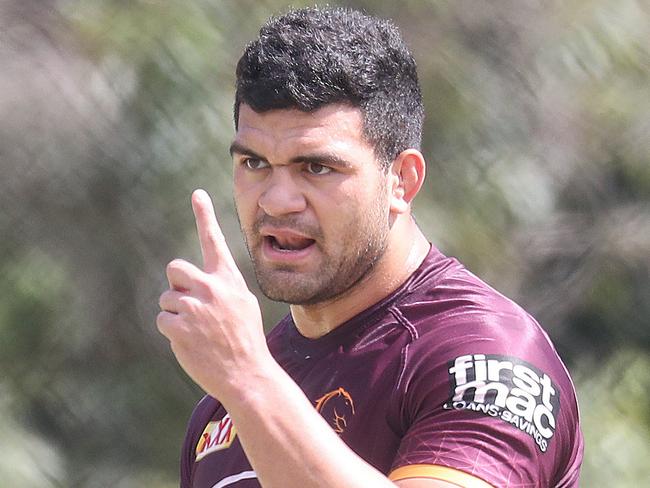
x: 405, y: 252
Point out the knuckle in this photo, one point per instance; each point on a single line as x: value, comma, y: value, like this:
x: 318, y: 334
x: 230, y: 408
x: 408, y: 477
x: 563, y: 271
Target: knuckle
x: 214, y: 242
x: 212, y: 287
x: 174, y: 264
x: 187, y: 303
x: 204, y: 285
x: 161, y: 322
x: 211, y: 236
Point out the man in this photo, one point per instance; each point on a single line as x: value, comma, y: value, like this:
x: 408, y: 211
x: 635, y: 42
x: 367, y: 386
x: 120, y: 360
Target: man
x: 396, y: 366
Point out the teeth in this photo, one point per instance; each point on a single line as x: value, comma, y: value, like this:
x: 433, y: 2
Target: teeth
x: 277, y: 245
x: 290, y: 243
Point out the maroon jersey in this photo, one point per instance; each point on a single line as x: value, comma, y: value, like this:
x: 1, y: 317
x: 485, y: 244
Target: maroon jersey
x: 445, y: 378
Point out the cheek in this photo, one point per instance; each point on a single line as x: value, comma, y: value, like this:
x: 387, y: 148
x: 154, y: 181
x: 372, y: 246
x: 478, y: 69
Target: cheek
x: 246, y: 196
x: 344, y: 215
x: 246, y: 212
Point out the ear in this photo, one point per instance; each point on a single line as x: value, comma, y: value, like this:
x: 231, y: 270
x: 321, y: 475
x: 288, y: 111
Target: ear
x: 406, y: 176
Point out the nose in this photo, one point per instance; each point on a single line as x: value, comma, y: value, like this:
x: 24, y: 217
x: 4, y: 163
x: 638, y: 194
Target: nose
x: 282, y: 194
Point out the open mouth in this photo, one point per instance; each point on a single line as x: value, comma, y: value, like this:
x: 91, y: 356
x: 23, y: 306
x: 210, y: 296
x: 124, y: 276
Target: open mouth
x: 289, y: 244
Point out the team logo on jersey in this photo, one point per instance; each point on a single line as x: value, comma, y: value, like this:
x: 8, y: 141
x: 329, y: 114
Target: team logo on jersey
x: 217, y: 435
x: 336, y: 407
x: 506, y: 388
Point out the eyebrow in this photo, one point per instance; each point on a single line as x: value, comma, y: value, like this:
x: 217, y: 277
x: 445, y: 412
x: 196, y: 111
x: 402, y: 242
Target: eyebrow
x: 237, y: 148
x: 326, y: 158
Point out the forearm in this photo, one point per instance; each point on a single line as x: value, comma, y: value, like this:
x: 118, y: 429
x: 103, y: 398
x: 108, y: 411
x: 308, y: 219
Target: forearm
x: 288, y: 443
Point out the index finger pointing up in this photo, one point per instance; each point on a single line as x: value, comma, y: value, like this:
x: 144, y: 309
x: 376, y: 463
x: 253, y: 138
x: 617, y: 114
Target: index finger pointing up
x: 213, y: 245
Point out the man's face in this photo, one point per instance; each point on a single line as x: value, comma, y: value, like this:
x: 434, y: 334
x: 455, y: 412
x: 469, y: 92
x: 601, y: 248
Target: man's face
x: 312, y: 201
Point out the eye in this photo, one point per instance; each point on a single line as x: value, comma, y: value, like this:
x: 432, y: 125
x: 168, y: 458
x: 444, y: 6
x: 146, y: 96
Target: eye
x: 254, y: 163
x: 318, y: 169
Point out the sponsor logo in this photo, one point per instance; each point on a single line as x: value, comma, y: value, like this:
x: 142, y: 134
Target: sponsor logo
x: 506, y: 388
x: 336, y: 407
x: 217, y: 435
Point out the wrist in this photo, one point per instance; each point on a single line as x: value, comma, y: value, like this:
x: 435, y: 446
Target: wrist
x: 247, y: 385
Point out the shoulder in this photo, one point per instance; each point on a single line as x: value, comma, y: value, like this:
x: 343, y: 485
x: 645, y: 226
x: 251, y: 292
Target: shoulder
x: 205, y: 408
x: 480, y: 357
x: 201, y: 416
x: 461, y: 318
x: 459, y: 311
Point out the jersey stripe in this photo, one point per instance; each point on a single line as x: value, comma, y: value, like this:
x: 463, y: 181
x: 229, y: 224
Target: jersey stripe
x: 441, y: 473
x: 231, y: 480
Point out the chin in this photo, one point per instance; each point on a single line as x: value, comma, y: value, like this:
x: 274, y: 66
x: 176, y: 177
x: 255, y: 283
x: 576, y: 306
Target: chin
x: 286, y: 296
x: 294, y: 290
x: 297, y: 293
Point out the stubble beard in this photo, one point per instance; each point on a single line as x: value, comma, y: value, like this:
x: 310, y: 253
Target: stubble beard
x: 341, y: 268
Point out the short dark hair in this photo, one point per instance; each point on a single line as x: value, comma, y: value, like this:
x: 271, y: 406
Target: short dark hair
x: 312, y: 57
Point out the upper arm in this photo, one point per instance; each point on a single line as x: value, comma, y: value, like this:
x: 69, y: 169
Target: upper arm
x: 483, y: 390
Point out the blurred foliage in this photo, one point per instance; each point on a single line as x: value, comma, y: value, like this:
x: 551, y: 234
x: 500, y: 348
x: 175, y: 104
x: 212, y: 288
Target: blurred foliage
x: 615, y: 416
x: 111, y: 112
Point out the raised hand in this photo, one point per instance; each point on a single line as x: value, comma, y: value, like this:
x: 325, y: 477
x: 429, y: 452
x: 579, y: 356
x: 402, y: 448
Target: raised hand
x: 209, y: 315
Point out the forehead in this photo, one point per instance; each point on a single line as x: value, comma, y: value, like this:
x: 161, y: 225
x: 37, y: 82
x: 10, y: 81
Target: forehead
x: 336, y: 127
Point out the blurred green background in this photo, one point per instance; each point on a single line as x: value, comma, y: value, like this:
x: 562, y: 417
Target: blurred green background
x: 112, y: 111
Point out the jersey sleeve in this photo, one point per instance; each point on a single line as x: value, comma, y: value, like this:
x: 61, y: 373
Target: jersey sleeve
x: 199, y: 419
x: 187, y: 459
x: 488, y: 405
